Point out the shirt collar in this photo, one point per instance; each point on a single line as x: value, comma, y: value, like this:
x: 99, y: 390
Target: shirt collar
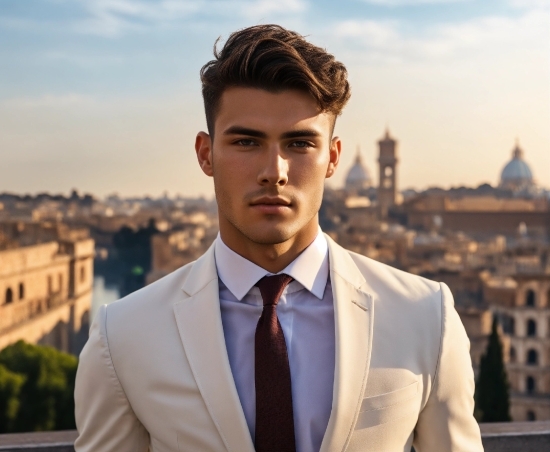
x: 239, y: 275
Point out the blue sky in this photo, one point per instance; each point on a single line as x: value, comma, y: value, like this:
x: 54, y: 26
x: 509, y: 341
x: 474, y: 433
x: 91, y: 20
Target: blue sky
x: 104, y: 95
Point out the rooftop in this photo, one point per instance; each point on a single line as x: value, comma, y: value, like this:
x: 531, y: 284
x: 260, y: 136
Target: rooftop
x: 498, y: 437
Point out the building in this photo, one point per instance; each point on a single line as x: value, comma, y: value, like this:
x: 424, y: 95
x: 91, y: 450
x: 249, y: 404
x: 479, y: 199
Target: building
x: 387, y: 181
x: 46, y: 276
x: 358, y: 177
x: 173, y: 249
x: 479, y: 214
x: 516, y: 174
x: 523, y: 306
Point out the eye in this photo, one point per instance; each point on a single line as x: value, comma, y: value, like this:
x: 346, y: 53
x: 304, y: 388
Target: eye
x: 245, y: 142
x: 300, y: 144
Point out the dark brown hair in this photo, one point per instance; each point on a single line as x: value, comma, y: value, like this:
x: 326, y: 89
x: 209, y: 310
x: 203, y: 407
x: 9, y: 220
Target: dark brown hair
x: 273, y: 58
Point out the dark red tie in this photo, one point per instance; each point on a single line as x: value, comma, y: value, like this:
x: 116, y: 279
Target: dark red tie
x: 274, y: 418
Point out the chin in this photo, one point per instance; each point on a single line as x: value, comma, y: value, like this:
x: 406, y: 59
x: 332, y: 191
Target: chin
x: 270, y: 234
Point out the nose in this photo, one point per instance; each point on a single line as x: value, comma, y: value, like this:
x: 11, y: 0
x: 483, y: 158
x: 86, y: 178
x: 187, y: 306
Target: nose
x: 274, y: 170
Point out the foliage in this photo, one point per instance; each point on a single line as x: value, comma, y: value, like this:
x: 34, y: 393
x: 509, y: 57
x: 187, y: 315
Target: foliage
x: 10, y: 388
x: 492, y: 389
x: 45, y: 397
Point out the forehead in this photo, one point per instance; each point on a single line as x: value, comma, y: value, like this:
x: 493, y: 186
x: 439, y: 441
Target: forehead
x: 271, y: 112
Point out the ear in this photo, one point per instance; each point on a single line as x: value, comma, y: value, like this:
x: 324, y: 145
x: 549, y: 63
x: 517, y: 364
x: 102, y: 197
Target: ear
x: 203, y: 148
x: 334, y: 156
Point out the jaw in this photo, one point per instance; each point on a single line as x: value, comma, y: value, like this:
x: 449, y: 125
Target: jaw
x: 263, y: 229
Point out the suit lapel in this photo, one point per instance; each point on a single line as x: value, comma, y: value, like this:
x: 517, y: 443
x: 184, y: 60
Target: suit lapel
x: 353, y: 315
x: 199, y: 323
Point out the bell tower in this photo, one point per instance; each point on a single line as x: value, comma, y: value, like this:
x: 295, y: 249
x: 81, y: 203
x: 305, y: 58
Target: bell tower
x: 387, y: 161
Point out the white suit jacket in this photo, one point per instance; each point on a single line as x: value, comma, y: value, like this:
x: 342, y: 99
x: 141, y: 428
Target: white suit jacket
x: 155, y: 375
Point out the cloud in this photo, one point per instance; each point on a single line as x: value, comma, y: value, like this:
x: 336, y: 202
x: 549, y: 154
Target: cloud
x: 531, y: 4
x: 86, y: 61
x: 50, y: 101
x: 111, y: 18
x: 412, y: 2
x: 262, y: 8
x: 393, y: 40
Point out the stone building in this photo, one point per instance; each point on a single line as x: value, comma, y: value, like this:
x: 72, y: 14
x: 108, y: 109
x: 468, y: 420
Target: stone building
x: 516, y: 174
x: 479, y: 214
x: 172, y: 249
x: 358, y: 177
x: 523, y: 304
x: 387, y: 180
x: 45, y: 286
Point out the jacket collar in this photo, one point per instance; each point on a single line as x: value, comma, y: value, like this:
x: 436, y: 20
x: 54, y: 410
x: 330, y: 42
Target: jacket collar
x: 353, y: 318
x: 199, y: 323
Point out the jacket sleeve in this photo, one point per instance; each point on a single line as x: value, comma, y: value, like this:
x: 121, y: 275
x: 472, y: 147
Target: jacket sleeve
x: 447, y: 423
x: 104, y: 418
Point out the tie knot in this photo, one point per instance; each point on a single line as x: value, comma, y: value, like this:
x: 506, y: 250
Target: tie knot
x: 271, y: 288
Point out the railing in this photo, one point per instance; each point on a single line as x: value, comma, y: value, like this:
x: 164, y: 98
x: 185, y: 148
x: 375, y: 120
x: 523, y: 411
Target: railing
x: 516, y: 436
x: 38, y: 442
x: 19, y: 312
x: 506, y: 437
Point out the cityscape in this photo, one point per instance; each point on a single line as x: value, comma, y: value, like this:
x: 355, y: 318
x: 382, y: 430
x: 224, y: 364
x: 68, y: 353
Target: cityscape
x: 63, y: 256
x: 444, y: 173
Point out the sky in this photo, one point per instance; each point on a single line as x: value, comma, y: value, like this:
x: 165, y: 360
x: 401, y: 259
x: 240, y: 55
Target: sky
x: 104, y: 95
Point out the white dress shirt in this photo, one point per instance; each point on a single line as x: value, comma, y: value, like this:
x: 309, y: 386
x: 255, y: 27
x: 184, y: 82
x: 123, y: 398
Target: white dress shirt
x: 306, y: 314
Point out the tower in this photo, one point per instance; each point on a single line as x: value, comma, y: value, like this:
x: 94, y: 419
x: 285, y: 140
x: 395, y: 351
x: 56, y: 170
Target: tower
x: 387, y: 161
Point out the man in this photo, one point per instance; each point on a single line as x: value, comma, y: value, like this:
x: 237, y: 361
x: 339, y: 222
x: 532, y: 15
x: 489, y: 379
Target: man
x: 277, y: 339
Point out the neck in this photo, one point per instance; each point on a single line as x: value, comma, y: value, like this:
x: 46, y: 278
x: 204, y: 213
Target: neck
x: 272, y: 257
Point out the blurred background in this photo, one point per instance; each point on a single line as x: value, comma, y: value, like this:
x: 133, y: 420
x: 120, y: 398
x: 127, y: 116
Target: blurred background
x: 445, y: 170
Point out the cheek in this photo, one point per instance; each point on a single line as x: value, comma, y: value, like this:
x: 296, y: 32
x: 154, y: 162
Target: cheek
x: 230, y: 166
x: 310, y: 172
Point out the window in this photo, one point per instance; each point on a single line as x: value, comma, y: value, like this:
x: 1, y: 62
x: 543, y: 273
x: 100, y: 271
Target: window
x: 508, y: 324
x: 82, y: 274
x: 9, y: 295
x: 532, y: 357
x: 512, y: 355
x: 530, y: 385
x: 388, y: 171
x: 60, y: 282
x: 531, y: 328
x: 50, y: 288
x: 531, y: 416
x: 530, y: 298
x: 21, y: 291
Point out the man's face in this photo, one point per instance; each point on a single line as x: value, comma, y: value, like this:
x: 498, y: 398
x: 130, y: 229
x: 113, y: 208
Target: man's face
x: 269, y: 157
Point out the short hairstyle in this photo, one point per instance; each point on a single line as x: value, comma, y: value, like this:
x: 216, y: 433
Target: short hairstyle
x: 273, y: 58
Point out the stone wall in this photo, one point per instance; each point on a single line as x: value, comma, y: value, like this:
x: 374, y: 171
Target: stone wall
x: 46, y: 293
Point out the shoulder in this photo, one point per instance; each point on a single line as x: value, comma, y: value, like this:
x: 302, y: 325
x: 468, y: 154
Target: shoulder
x: 155, y: 293
x: 407, y: 304
x: 138, y: 314
x: 385, y: 278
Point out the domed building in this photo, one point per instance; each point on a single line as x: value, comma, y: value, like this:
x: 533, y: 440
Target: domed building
x: 517, y: 175
x: 358, y: 177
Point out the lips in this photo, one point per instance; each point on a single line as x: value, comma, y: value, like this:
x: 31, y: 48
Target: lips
x: 271, y: 201
x: 271, y: 205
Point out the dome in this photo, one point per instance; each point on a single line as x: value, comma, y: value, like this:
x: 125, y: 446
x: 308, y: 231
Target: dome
x: 516, y: 174
x: 358, y: 176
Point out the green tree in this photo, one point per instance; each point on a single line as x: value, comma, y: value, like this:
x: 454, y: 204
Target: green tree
x: 46, y: 397
x: 492, y: 390
x: 10, y: 388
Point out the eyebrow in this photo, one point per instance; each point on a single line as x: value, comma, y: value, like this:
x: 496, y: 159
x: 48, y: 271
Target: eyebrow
x: 301, y: 133
x: 239, y: 130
